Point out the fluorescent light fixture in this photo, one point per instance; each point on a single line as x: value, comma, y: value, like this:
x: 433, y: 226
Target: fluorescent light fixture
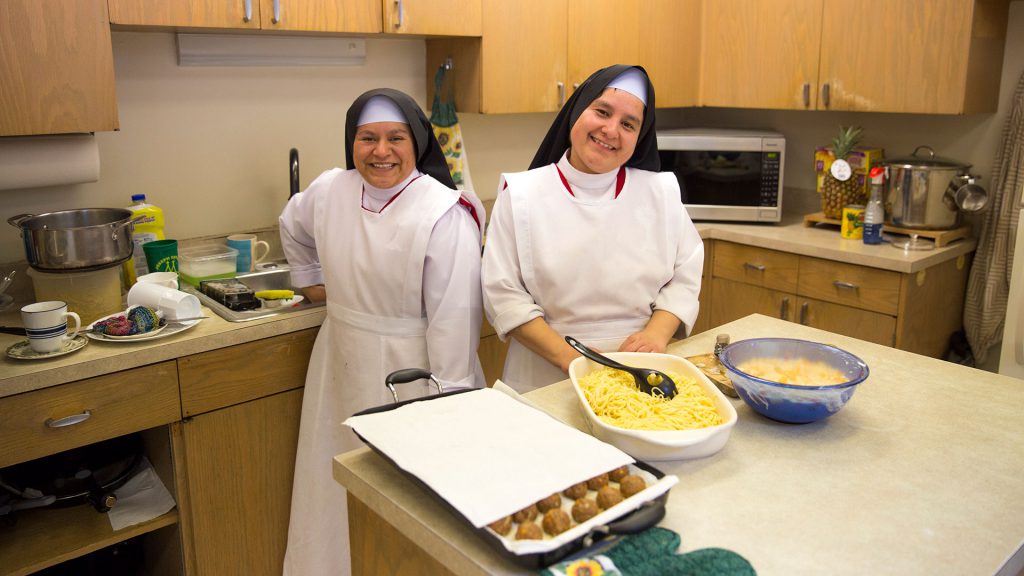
x: 254, y: 50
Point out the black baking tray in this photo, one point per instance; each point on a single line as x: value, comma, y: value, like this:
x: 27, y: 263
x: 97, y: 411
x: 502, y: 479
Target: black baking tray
x: 648, y: 515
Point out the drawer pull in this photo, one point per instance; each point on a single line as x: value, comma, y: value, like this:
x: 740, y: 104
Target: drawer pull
x: 784, y: 308
x: 752, y: 266
x: 68, y: 420
x: 803, y: 312
x: 845, y: 285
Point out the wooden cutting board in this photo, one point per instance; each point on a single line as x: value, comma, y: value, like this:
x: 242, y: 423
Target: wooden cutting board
x: 710, y: 366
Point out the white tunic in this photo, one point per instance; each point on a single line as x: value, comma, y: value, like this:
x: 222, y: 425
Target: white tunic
x: 403, y: 291
x: 594, y: 265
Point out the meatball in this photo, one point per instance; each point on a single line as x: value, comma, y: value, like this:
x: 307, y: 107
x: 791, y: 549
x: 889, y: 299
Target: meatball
x: 618, y: 474
x: 526, y: 514
x: 584, y: 509
x: 556, y: 521
x: 549, y: 503
x: 501, y: 526
x: 576, y: 491
x: 631, y: 484
x: 597, y: 482
x: 529, y: 531
x: 608, y: 497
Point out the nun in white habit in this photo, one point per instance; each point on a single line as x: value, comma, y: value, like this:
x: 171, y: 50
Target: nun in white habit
x: 592, y: 242
x: 395, y: 249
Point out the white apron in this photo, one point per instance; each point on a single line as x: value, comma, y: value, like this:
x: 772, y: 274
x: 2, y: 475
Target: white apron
x: 373, y: 270
x: 574, y: 266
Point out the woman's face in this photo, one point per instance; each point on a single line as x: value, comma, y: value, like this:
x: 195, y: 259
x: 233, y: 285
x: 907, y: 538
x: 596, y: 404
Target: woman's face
x: 384, y: 153
x: 604, y: 137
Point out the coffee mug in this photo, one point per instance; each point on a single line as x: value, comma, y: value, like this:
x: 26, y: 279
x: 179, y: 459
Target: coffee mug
x: 46, y: 325
x: 247, y: 246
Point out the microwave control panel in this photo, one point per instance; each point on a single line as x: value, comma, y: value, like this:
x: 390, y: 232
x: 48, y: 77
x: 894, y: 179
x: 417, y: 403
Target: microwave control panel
x: 770, y: 168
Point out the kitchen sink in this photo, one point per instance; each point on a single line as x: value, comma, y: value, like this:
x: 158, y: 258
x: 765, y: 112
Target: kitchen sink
x: 270, y: 276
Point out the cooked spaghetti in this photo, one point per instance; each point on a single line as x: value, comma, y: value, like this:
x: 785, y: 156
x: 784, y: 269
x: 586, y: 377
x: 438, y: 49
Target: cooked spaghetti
x: 793, y: 371
x: 616, y: 400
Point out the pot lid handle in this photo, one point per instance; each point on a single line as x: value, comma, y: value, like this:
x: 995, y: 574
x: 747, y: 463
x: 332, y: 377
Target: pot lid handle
x: 931, y: 153
x: 17, y: 220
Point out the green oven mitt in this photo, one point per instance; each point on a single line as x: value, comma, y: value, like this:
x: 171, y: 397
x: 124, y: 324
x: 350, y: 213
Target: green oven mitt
x: 653, y: 553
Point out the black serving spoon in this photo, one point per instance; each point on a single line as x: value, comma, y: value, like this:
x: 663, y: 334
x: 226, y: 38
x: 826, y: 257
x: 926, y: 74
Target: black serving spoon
x: 647, y: 379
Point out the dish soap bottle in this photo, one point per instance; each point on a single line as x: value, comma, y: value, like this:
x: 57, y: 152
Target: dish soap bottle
x: 874, y: 214
x: 149, y: 226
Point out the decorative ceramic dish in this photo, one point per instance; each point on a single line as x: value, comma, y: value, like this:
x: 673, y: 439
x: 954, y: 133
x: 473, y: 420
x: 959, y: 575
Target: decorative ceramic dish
x: 23, y: 351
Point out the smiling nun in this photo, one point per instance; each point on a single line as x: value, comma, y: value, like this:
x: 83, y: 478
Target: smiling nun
x: 592, y: 242
x: 394, y: 248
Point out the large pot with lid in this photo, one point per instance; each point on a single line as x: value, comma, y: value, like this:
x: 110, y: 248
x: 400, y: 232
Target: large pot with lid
x: 925, y: 191
x: 76, y: 240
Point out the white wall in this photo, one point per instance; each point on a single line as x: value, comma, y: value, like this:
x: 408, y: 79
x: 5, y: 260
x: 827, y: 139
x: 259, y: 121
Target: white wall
x: 210, y: 145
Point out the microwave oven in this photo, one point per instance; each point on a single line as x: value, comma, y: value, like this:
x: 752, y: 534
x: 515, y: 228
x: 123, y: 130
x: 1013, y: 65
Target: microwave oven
x: 726, y: 174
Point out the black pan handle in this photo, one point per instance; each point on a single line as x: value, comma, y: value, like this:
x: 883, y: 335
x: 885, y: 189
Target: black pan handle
x: 293, y: 172
x: 648, y: 515
x: 407, y: 375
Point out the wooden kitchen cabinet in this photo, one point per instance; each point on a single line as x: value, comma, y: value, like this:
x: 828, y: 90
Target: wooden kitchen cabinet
x: 507, y: 71
x: 917, y: 312
x: 56, y: 68
x: 358, y: 16
x: 349, y: 16
x: 238, y: 443
x: 941, y: 57
x: 143, y: 400
x: 433, y: 17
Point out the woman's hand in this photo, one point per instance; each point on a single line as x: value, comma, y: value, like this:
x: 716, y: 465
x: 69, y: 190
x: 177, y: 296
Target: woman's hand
x: 315, y: 293
x: 655, y: 336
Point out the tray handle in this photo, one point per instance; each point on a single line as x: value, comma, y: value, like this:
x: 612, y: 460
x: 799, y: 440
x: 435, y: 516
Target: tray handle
x: 647, y: 515
x: 407, y: 375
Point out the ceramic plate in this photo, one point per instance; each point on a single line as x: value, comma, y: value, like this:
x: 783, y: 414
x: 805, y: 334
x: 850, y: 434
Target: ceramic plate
x: 168, y: 329
x: 22, y: 350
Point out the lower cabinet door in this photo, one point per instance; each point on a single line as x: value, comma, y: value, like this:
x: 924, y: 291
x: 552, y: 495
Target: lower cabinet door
x: 239, y: 463
x: 734, y: 300
x: 853, y: 322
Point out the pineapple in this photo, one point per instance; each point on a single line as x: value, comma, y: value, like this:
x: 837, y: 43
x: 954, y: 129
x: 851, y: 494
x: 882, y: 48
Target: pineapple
x: 836, y: 193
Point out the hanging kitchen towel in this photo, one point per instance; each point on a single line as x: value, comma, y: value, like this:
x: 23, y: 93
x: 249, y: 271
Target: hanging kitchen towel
x: 446, y: 127
x: 989, y: 283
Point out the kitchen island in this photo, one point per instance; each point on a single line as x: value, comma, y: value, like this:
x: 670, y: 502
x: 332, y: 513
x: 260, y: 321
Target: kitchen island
x: 919, y: 474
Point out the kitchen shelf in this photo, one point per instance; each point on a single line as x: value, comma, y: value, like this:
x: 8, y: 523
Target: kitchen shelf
x: 46, y: 537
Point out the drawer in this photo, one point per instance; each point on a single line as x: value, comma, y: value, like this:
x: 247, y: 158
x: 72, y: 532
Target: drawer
x: 237, y: 374
x: 117, y: 404
x: 758, y: 266
x: 849, y: 284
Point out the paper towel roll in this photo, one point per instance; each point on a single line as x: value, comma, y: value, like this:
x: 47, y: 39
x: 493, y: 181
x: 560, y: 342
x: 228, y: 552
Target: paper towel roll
x: 34, y: 161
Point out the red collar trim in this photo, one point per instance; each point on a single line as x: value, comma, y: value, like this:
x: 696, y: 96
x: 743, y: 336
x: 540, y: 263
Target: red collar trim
x: 620, y: 181
x: 388, y: 203
x: 472, y: 210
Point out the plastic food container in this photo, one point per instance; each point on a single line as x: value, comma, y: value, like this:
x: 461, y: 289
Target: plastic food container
x: 658, y: 445
x: 206, y: 262
x: 91, y: 295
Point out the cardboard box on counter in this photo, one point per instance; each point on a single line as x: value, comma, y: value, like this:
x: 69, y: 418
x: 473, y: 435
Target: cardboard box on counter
x: 861, y: 160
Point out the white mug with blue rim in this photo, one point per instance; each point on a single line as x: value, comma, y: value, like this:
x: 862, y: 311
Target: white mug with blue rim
x: 46, y: 325
x: 247, y: 246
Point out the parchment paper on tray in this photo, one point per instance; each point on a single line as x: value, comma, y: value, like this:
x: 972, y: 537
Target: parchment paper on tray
x: 485, y: 453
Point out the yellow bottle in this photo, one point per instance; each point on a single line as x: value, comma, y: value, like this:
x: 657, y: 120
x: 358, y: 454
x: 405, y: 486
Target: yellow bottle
x: 150, y: 227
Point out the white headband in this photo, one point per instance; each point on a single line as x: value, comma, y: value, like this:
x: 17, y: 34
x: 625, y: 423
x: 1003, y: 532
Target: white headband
x: 632, y: 81
x: 381, y: 109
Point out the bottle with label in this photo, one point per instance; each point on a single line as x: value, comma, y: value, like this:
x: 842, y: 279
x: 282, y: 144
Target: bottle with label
x: 874, y: 214
x: 149, y: 226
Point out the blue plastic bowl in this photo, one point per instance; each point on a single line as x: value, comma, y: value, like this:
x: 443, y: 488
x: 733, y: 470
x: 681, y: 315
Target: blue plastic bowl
x: 788, y: 402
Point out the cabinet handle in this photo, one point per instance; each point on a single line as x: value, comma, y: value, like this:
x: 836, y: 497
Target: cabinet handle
x: 752, y: 266
x: 561, y: 94
x: 247, y: 4
x: 575, y: 86
x: 845, y: 285
x: 401, y: 13
x: 803, y: 313
x: 784, y: 308
x: 807, y: 94
x: 68, y: 420
x: 824, y: 94
x: 277, y: 12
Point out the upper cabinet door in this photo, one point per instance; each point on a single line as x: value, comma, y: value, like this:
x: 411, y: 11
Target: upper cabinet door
x: 433, y: 17
x: 670, y: 50
x: 761, y: 53
x: 56, y: 67
x: 194, y: 13
x: 601, y: 33
x: 940, y: 56
x: 359, y: 16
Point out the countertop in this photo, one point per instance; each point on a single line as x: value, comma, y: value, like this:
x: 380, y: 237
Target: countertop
x: 919, y: 474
